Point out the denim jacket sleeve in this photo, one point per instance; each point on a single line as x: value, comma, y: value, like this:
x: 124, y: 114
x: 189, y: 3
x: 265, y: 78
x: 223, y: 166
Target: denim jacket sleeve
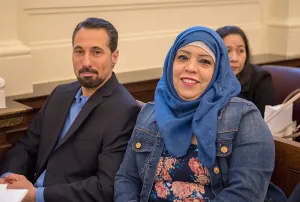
x: 128, y: 184
x: 252, y: 160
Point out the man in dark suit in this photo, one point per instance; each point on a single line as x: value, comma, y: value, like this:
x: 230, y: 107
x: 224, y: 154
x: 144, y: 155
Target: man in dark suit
x: 76, y: 142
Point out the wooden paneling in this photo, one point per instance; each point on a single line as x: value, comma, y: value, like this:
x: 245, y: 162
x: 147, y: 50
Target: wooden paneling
x: 143, y: 91
x: 286, y: 174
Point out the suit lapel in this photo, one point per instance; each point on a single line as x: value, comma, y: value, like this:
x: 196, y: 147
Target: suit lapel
x: 83, y: 114
x: 96, y: 99
x: 60, y: 114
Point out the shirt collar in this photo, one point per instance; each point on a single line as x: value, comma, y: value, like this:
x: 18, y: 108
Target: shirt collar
x: 79, y: 97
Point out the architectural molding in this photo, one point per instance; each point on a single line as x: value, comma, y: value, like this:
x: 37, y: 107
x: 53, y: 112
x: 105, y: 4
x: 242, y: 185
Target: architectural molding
x: 13, y: 48
x: 64, y: 9
x: 133, y: 36
x: 291, y: 24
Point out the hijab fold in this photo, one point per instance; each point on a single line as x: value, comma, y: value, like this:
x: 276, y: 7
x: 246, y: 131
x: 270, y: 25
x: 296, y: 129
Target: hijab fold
x: 178, y: 119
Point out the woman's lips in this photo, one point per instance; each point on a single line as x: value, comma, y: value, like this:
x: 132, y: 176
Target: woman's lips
x: 189, y: 81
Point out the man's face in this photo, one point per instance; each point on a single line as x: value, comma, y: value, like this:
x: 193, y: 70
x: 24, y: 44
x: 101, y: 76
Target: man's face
x: 92, y: 59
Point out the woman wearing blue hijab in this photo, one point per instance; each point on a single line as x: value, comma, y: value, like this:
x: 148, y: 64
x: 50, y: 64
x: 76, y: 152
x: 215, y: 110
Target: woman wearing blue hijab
x: 197, y: 142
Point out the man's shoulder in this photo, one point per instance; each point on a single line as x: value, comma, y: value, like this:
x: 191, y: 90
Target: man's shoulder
x: 123, y: 96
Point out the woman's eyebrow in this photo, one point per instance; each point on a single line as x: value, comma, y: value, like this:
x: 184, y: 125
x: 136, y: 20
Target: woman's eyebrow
x: 187, y: 52
x: 205, y: 55
x: 239, y: 46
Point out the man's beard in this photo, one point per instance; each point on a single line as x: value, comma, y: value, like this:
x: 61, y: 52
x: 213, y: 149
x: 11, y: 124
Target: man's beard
x: 88, y: 81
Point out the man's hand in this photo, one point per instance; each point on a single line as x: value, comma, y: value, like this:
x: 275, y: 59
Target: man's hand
x: 2, y: 181
x: 20, y: 182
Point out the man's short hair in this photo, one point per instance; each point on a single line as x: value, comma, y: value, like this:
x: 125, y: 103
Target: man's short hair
x: 98, y: 23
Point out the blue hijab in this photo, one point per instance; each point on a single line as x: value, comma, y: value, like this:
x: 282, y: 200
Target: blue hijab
x: 178, y: 119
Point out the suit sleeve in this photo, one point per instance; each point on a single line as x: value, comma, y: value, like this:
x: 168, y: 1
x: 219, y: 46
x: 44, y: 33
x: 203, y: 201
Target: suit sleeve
x: 99, y: 187
x: 21, y: 159
x: 265, y: 94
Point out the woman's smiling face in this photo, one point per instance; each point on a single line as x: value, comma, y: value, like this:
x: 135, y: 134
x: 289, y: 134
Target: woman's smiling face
x: 193, y: 70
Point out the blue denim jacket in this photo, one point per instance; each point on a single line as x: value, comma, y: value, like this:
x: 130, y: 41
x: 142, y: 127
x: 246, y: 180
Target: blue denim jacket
x: 242, y: 170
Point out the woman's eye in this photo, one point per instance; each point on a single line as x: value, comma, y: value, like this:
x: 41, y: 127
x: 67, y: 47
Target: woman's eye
x: 228, y: 50
x: 205, y: 61
x: 182, y: 57
x: 242, y: 51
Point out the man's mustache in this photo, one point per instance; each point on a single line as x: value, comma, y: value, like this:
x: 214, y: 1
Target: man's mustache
x: 87, y: 69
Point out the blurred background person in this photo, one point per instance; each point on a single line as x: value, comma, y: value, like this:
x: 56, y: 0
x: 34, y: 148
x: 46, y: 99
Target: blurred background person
x: 256, y: 83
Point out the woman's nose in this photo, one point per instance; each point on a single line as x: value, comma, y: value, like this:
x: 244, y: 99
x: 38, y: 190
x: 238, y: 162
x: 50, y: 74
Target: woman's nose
x: 191, y: 67
x: 233, y: 57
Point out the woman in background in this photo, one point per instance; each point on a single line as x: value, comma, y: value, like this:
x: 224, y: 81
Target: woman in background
x: 197, y: 142
x: 256, y: 83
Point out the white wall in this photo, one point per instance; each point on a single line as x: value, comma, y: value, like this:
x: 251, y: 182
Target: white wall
x: 35, y: 40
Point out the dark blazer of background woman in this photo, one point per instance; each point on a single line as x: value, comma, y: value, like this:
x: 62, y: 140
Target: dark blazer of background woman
x: 259, y: 88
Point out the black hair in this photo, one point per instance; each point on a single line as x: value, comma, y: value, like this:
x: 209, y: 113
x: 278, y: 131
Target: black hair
x: 228, y: 30
x: 98, y: 23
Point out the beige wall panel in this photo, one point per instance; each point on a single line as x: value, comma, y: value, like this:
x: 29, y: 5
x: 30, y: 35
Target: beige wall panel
x: 8, y: 18
x: 37, y: 38
x: 293, y: 45
x: 146, y: 31
x: 17, y: 74
x: 283, y: 27
x: 52, y: 63
x: 257, y: 42
x: 279, y: 9
x: 284, y: 37
x: 294, y: 10
x: 14, y: 54
x: 278, y: 39
x: 45, y: 24
x: 38, y: 4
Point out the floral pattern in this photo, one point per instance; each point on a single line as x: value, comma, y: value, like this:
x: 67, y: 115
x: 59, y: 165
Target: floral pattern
x: 164, y: 165
x: 182, y: 179
x: 201, y: 173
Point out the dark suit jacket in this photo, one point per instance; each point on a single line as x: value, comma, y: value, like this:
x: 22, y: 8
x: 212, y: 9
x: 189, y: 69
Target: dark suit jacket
x: 259, y: 89
x: 83, y: 167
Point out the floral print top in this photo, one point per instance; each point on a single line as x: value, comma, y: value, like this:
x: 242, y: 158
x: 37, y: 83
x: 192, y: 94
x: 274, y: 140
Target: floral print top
x: 181, y: 179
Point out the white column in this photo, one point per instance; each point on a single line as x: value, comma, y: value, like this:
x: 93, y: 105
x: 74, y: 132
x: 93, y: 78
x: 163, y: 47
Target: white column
x: 14, y: 54
x: 293, y: 44
x: 284, y: 27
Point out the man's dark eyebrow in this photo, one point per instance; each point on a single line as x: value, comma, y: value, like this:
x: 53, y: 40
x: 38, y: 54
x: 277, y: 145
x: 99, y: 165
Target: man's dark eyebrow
x: 77, y: 47
x: 97, y: 47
